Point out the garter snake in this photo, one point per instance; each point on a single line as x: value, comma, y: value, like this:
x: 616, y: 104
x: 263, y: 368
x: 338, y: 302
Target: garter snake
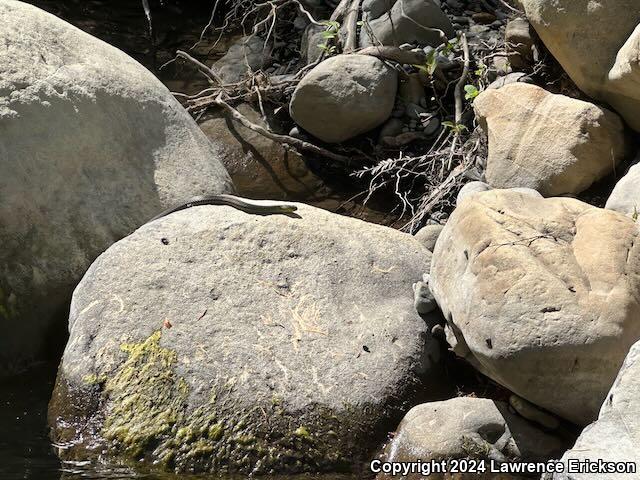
x: 231, y: 201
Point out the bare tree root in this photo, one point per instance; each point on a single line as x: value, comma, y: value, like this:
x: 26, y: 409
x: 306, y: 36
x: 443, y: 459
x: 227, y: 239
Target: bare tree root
x: 202, y: 68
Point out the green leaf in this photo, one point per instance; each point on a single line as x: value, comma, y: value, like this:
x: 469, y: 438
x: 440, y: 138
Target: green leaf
x: 471, y: 92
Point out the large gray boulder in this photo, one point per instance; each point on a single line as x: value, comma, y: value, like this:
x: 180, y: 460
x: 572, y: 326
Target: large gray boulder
x: 344, y: 96
x: 615, y: 436
x: 468, y: 428
x: 598, y: 44
x: 395, y: 22
x: 91, y: 146
x: 552, y: 143
x: 541, y: 295
x: 214, y: 339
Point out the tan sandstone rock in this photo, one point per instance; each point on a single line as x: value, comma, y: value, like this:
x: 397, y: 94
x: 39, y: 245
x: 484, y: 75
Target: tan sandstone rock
x: 551, y: 143
x: 541, y: 295
x: 597, y: 43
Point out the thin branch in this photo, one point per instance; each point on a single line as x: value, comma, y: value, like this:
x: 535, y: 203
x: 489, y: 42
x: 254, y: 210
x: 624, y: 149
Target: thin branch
x: 339, y: 11
x: 285, y: 139
x: 307, y: 14
x: 462, y: 79
x: 208, y: 72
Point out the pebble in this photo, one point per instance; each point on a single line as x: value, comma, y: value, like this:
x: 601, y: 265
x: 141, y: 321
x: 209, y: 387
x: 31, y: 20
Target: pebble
x: 295, y: 132
x: 461, y: 20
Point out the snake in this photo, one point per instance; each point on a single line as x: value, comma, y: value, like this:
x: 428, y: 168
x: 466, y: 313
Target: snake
x: 231, y: 201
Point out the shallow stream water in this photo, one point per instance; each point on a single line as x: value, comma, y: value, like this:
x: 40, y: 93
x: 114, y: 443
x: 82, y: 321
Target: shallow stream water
x: 27, y: 453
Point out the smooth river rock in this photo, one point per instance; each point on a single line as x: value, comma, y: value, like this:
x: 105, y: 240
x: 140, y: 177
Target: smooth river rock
x: 214, y: 339
x: 344, y: 96
x: 597, y: 42
x: 615, y: 436
x: 468, y: 428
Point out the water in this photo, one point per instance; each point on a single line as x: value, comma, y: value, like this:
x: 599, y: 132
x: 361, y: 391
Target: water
x: 25, y: 449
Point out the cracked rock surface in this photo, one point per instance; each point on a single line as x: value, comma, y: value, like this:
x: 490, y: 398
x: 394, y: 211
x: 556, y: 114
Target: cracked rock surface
x: 541, y: 295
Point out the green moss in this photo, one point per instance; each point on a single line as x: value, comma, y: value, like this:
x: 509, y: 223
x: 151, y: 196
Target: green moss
x: 302, y: 432
x: 147, y: 416
x: 216, y: 431
x: 146, y: 398
x: 93, y: 379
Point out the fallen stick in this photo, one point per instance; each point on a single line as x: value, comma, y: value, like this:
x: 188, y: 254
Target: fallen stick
x: 339, y: 11
x: 458, y: 95
x: 462, y: 79
x: 284, y: 139
x: 206, y: 71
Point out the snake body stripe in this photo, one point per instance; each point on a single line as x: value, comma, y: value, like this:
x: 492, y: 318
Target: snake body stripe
x: 231, y: 201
